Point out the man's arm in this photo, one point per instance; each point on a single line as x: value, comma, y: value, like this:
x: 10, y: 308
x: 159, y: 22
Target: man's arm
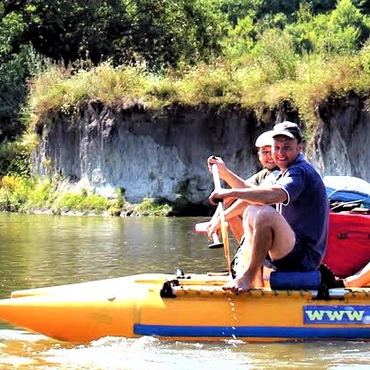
x: 231, y: 178
x: 255, y: 195
x: 234, y: 180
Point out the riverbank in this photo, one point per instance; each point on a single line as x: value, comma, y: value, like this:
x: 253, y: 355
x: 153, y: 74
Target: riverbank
x: 58, y: 197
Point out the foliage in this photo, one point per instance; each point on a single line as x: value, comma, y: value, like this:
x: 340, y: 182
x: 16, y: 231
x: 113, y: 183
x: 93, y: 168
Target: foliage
x: 26, y: 194
x: 125, y: 31
x: 14, y: 158
x: 341, y: 31
x: 240, y: 38
x: 14, y: 192
x: 181, y: 41
x: 272, y: 73
x: 275, y: 56
x: 14, y: 69
x: 153, y: 207
x: 19, y: 194
x: 82, y: 203
x: 58, y: 89
x: 120, y: 192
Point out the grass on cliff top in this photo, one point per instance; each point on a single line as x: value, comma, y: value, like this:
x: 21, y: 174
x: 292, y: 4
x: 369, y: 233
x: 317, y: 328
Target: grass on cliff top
x: 251, y: 82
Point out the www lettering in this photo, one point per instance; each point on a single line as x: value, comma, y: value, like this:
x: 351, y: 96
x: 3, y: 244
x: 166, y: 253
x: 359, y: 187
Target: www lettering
x: 335, y: 315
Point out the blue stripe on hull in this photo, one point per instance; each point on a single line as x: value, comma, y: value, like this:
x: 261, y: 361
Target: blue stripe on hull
x: 252, y: 332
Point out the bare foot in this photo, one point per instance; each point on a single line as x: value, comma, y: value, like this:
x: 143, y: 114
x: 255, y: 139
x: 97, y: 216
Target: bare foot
x: 239, y: 285
x: 258, y: 283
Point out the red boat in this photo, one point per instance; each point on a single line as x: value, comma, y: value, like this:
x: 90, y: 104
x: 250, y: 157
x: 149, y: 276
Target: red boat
x: 349, y: 243
x: 349, y: 227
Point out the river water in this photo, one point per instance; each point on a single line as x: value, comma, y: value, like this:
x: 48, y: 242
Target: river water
x: 45, y: 250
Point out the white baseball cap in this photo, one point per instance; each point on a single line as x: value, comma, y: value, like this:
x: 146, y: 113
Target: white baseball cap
x: 265, y: 139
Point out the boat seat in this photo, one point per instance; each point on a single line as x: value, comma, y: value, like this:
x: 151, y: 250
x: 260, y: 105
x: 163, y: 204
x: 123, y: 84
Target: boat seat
x: 295, y: 280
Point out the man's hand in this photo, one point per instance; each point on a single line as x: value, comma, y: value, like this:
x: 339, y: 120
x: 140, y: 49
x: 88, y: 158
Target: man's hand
x: 218, y: 196
x: 221, y: 166
x: 213, y: 227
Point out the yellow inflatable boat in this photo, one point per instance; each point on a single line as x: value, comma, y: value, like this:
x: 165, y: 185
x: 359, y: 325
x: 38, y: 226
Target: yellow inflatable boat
x: 192, y: 307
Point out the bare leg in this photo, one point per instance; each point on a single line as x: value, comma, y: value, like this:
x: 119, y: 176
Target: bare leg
x: 236, y: 227
x: 235, y: 221
x: 255, y: 254
x: 249, y: 224
x: 362, y: 278
x: 270, y: 234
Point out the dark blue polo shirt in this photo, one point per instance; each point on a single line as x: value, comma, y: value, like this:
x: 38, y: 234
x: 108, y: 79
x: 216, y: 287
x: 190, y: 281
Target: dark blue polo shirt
x: 306, y: 209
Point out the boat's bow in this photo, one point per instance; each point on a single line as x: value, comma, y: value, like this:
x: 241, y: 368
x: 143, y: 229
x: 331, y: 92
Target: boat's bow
x: 190, y: 309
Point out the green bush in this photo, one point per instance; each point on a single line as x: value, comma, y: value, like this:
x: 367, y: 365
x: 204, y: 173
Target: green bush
x: 153, y: 207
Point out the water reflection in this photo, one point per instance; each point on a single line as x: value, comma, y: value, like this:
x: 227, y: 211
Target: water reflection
x: 42, y: 250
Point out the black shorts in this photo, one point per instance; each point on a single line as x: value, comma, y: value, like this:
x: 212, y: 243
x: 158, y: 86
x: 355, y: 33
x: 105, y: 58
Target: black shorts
x: 294, y: 260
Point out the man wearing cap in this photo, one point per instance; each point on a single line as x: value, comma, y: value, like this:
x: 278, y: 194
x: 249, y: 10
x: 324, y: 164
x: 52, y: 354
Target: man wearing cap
x: 294, y: 235
x: 234, y: 209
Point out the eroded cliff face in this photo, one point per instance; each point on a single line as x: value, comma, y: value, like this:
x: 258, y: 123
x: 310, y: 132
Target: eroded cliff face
x: 341, y: 144
x: 163, y: 154
x: 149, y: 154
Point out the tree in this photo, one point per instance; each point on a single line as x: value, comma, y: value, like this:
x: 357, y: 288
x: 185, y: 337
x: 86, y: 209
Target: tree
x: 159, y: 32
x: 341, y: 31
x: 16, y: 60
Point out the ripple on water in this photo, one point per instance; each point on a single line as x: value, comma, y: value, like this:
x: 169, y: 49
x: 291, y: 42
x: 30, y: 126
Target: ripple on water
x: 23, y: 350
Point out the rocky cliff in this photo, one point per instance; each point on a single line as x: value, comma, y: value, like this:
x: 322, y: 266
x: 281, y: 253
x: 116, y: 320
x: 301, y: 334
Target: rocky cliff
x: 341, y: 143
x: 162, y: 154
